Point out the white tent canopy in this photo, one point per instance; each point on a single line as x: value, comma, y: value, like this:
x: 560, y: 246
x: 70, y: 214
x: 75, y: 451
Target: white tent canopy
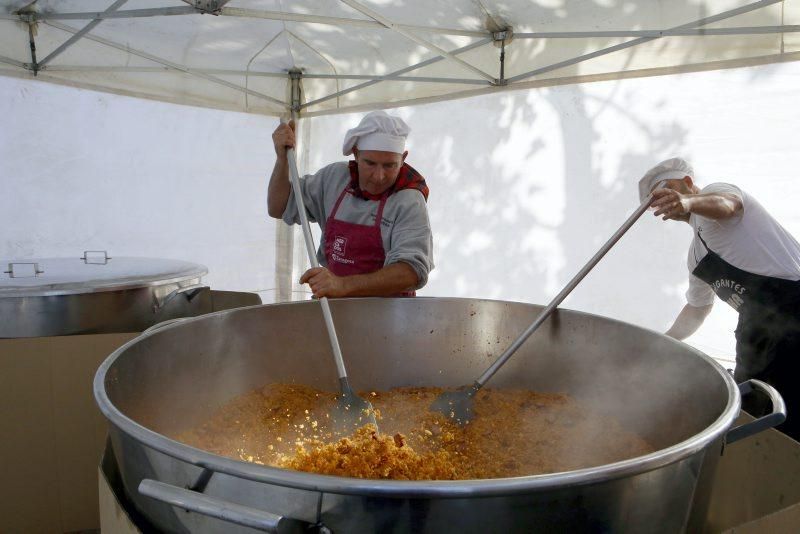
x: 361, y: 54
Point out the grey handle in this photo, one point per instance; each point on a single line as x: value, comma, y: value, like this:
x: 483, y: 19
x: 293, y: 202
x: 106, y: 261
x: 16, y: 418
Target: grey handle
x: 101, y: 261
x: 219, y: 508
x: 294, y: 176
x: 545, y: 313
x: 191, y: 291
x: 13, y: 274
x: 770, y: 420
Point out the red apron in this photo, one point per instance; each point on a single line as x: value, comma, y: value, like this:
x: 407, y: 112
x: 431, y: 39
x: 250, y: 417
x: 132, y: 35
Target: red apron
x: 355, y: 248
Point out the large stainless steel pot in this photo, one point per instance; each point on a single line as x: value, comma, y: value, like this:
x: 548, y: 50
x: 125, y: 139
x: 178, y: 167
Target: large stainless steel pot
x: 170, y: 379
x: 97, y: 294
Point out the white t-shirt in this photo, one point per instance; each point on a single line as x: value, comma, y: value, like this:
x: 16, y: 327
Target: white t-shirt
x: 752, y: 241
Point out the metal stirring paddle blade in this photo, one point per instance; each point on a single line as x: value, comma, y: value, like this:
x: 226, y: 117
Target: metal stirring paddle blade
x: 458, y: 404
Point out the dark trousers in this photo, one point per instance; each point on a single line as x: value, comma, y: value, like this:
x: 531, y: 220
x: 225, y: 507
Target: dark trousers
x: 768, y: 349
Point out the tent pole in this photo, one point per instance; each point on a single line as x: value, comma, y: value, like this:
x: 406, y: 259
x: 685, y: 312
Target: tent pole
x: 502, y: 80
x: 501, y: 36
x: 288, y: 266
x: 302, y: 145
x: 211, y: 7
x: 28, y: 15
x: 32, y: 41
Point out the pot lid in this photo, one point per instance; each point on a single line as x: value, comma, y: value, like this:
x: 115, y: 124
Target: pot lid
x: 91, y: 273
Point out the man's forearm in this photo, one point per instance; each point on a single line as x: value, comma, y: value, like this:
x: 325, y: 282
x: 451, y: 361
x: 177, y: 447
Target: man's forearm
x: 715, y: 206
x: 279, y: 188
x: 688, y: 321
x: 389, y: 280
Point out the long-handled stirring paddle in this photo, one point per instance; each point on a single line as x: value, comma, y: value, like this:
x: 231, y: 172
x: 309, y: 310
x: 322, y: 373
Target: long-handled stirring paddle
x: 458, y: 404
x: 351, y: 411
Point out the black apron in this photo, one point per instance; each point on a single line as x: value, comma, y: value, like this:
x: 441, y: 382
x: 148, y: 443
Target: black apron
x: 768, y: 332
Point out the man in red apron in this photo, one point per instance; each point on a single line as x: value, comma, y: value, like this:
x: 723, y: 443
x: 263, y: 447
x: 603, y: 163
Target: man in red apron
x: 376, y: 236
x: 745, y: 257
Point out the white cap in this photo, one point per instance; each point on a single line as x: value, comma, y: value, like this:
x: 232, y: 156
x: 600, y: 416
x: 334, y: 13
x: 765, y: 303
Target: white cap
x: 377, y: 131
x: 670, y: 169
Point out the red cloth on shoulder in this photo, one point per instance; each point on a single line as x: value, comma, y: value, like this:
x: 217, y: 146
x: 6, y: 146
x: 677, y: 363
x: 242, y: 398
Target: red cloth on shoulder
x: 408, y: 178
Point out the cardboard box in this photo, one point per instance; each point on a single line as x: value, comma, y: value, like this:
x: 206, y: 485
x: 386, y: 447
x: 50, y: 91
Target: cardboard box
x: 53, y: 434
x: 757, y: 486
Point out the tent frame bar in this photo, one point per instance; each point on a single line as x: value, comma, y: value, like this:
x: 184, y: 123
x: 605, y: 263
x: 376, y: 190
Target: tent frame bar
x: 420, y: 41
x: 243, y: 13
x: 9, y: 61
x: 397, y: 73
x: 216, y: 7
x: 568, y: 80
x: 340, y: 21
x: 635, y: 42
x: 555, y: 66
x: 390, y: 78
x: 175, y: 66
x: 105, y: 15
x: 76, y: 37
x: 740, y: 30
x: 228, y: 72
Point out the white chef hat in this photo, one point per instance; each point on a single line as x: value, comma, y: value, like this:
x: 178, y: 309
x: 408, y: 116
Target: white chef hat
x: 670, y: 169
x: 377, y: 131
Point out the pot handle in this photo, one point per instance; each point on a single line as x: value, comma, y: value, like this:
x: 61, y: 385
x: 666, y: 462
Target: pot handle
x: 191, y: 291
x: 220, y: 509
x: 13, y: 274
x: 97, y: 259
x: 773, y: 419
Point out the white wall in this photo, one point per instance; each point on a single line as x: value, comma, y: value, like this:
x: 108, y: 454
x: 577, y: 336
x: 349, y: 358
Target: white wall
x: 84, y: 170
x: 525, y: 186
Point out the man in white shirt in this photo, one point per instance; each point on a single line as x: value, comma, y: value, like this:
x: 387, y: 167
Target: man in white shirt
x: 745, y: 257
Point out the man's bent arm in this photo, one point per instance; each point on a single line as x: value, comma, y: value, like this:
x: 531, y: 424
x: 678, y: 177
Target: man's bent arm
x: 279, y: 188
x: 688, y: 321
x: 715, y: 206
x: 389, y: 280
